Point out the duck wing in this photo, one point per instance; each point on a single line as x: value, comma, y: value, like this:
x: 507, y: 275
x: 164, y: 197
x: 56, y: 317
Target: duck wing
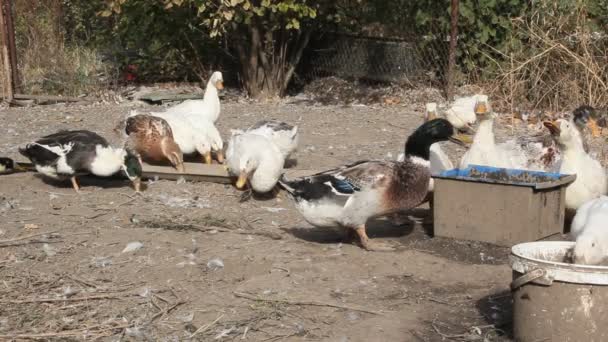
x: 273, y: 125
x: 340, y: 183
x: 62, y: 138
x: 148, y: 125
x: 78, y: 148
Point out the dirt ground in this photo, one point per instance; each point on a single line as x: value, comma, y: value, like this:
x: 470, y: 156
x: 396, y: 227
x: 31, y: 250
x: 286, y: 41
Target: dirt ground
x: 213, y: 268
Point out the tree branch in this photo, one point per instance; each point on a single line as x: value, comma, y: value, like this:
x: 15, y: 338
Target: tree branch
x: 293, y: 63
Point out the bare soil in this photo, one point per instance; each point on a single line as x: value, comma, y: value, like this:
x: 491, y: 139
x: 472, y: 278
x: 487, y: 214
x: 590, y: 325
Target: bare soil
x: 64, y: 275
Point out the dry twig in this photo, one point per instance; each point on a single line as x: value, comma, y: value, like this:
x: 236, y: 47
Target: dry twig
x: 26, y: 237
x: 205, y: 327
x: 71, y: 299
x: 305, y: 303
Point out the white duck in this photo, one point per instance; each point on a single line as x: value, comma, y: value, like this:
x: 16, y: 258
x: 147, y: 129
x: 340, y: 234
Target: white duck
x: 590, y: 232
x: 208, y: 108
x: 484, y: 150
x: 591, y: 178
x: 461, y: 113
x: 255, y: 160
x: 282, y: 134
x: 194, y: 136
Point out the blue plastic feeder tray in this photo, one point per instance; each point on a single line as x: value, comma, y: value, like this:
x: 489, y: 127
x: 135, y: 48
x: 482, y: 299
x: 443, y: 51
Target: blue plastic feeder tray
x: 497, y: 205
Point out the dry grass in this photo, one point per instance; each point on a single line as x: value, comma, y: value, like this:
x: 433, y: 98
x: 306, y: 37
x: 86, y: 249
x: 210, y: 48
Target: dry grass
x: 47, y: 63
x: 560, y: 64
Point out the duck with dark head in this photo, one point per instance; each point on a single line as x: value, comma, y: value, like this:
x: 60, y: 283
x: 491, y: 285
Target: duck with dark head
x: 68, y: 154
x: 7, y: 165
x: 349, y: 195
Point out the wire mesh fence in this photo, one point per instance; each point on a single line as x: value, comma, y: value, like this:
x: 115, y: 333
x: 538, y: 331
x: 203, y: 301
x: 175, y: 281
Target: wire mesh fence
x: 49, y: 64
x: 422, y: 59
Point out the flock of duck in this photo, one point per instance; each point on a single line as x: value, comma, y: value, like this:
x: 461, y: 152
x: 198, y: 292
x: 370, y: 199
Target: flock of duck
x: 346, y: 196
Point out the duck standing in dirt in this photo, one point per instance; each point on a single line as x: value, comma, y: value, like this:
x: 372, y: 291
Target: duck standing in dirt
x: 349, y: 195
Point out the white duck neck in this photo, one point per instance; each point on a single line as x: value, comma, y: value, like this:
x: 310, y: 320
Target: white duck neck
x: 574, y: 147
x: 485, y: 133
x: 211, y: 98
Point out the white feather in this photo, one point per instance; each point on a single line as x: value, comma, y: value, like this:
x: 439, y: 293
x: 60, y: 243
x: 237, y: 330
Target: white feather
x: 208, y: 108
x: 462, y: 111
x: 193, y: 136
x: 257, y: 156
x: 590, y: 231
x: 286, y: 141
x: 107, y: 161
x: 591, y: 180
x: 48, y: 170
x: 485, y: 151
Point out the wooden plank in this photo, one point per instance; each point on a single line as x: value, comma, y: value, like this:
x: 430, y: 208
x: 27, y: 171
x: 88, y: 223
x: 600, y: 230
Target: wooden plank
x: 52, y: 98
x: 156, y: 97
x: 215, y: 173
x: 198, y: 172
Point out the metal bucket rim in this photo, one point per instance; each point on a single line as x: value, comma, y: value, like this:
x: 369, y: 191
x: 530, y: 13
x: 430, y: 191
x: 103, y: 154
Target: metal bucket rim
x: 521, y: 261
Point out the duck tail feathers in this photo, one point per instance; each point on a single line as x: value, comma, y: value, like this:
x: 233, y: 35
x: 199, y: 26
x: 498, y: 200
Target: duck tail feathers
x: 286, y: 184
x: 24, y: 151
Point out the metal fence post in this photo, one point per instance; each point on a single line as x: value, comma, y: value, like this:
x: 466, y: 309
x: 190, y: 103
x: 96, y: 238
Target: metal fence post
x: 452, y: 52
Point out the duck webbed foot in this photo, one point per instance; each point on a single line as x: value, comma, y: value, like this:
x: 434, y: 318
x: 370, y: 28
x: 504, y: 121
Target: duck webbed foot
x: 367, y: 244
x: 75, y: 183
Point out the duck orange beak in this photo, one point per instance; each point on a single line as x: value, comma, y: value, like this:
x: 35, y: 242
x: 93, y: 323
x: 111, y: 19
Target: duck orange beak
x: 552, y: 127
x: 481, y: 108
x: 242, y: 180
x: 595, y: 129
x: 207, y: 157
x: 219, y: 85
x: 220, y: 156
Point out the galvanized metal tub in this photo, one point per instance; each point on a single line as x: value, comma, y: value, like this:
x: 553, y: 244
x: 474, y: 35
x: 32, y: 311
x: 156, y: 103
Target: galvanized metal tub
x: 554, y: 300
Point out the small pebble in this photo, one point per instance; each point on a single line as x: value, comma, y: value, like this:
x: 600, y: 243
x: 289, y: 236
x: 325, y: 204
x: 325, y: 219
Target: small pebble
x: 215, y: 264
x: 133, y: 246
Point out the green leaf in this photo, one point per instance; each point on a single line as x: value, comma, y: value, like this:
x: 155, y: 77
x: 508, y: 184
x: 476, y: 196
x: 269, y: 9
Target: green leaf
x: 228, y: 15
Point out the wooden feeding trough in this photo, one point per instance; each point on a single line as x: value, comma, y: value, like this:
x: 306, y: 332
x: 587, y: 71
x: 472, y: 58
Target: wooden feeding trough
x: 499, y: 206
x: 197, y: 172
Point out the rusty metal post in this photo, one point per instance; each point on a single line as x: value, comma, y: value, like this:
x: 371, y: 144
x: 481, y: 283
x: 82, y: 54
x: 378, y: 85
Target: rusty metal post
x: 7, y: 81
x: 452, y: 52
x: 12, y: 48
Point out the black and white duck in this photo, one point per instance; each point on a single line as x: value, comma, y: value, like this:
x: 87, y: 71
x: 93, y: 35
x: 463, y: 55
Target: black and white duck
x: 7, y: 165
x: 68, y: 154
x: 349, y: 195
